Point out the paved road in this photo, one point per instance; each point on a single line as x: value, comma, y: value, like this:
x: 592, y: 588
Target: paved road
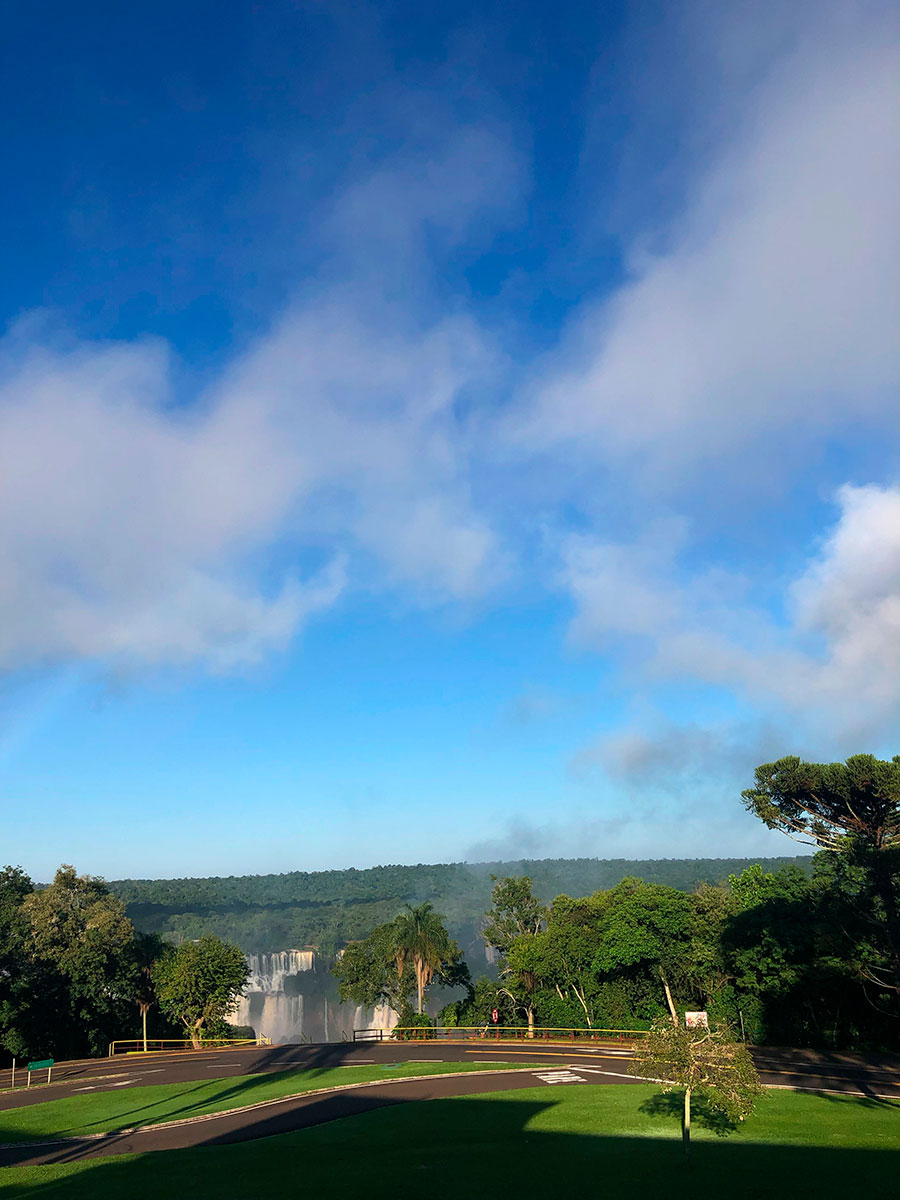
x: 561, y: 1065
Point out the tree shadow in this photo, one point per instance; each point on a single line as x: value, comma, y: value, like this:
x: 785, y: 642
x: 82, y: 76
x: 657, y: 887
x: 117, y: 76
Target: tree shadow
x: 865, y: 1101
x: 670, y: 1106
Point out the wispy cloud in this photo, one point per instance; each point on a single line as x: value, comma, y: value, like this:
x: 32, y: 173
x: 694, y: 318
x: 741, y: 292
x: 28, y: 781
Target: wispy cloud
x: 766, y: 318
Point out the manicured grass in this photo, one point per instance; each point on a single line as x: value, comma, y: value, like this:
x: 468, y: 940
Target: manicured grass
x: 536, y: 1143
x: 109, y: 1111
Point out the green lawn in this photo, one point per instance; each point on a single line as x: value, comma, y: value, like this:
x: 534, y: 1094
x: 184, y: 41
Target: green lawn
x: 109, y: 1111
x: 543, y: 1142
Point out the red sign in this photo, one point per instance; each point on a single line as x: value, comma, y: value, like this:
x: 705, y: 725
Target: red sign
x: 495, y: 1016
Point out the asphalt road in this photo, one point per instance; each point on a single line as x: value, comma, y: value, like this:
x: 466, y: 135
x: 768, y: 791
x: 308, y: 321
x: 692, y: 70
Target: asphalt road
x: 876, y: 1077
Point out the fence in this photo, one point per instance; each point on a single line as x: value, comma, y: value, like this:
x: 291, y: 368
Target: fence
x: 495, y: 1033
x: 160, y: 1045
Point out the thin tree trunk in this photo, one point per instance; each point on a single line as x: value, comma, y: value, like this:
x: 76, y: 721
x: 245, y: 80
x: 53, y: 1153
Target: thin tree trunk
x: 420, y: 975
x: 144, y: 1022
x: 580, y: 995
x: 530, y: 1012
x: 686, y: 1125
x: 196, y: 1034
x: 672, y: 1013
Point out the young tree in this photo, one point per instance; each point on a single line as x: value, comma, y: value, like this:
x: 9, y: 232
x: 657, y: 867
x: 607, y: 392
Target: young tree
x: 851, y: 808
x: 200, y: 983
x: 701, y: 1062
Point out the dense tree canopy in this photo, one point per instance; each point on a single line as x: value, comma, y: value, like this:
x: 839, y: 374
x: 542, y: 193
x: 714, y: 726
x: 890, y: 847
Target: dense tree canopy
x: 200, y: 983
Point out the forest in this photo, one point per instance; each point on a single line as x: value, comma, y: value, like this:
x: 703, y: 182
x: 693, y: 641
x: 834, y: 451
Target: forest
x: 327, y: 909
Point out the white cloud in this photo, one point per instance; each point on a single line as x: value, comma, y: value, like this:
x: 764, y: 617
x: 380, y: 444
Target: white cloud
x: 772, y: 312
x: 132, y: 528
x: 835, y: 665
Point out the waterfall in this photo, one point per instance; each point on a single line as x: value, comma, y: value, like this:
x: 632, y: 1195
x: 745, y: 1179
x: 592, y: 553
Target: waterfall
x: 309, y: 1009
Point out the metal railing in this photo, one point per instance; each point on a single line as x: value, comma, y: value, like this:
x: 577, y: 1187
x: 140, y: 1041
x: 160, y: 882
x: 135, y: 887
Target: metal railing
x: 168, y: 1045
x: 495, y: 1033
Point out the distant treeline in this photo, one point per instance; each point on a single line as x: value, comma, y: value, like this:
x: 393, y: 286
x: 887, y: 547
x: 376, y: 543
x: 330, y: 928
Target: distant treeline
x: 330, y: 908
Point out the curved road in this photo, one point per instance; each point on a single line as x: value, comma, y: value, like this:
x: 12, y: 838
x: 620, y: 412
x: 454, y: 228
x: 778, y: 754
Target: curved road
x: 876, y: 1077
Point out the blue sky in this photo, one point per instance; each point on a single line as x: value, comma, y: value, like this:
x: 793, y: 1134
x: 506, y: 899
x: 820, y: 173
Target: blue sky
x: 441, y: 432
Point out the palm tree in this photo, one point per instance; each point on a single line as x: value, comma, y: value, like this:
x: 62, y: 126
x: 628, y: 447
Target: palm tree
x: 148, y: 949
x: 420, y: 935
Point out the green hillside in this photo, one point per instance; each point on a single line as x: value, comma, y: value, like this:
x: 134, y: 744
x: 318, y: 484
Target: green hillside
x: 328, y: 908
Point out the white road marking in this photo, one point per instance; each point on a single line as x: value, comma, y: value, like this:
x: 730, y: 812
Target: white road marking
x: 559, y: 1077
x: 86, y: 1089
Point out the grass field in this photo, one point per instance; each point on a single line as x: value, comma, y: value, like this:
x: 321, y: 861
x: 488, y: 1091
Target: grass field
x: 109, y: 1111
x: 587, y: 1141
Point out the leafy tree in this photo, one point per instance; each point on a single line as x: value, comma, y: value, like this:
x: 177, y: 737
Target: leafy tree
x: 852, y: 808
x: 199, y: 984
x: 367, y: 972
x: 476, y: 1009
x: 511, y: 927
x: 564, y: 954
x: 646, y: 925
x: 406, y: 954
x: 701, y: 1062
x: 515, y: 912
x: 20, y: 983
x: 79, y: 929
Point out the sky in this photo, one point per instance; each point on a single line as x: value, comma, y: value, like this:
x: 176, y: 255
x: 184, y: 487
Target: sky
x: 441, y: 432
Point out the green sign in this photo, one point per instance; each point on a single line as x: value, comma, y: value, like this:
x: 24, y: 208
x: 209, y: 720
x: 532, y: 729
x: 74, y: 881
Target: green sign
x: 44, y: 1065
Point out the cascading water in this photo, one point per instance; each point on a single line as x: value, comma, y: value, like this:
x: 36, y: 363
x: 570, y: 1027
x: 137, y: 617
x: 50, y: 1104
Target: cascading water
x: 290, y: 998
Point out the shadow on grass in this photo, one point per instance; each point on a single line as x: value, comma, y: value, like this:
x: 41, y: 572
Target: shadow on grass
x: 671, y: 1105
x: 477, y: 1147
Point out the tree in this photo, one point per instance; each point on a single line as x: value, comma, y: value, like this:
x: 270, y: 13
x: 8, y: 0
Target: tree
x: 80, y: 931
x: 366, y: 972
x: 703, y: 1062
x: 20, y: 978
x: 200, y: 983
x: 410, y: 952
x: 852, y: 808
x: 421, y: 938
x: 511, y: 927
x: 515, y: 912
x: 648, y: 925
x: 564, y: 953
x: 148, y: 950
